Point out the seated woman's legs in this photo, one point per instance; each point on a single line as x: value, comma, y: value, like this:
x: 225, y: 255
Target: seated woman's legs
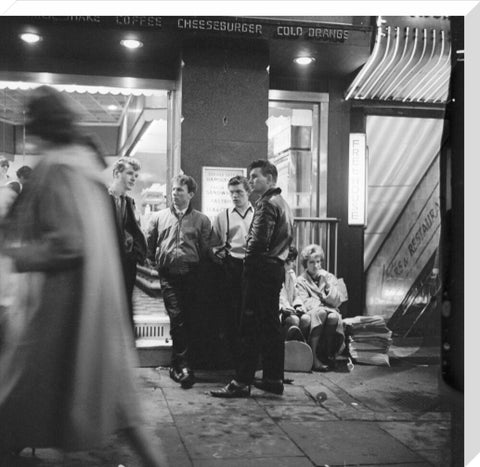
x: 305, y: 323
x: 315, y: 336
x: 330, y: 332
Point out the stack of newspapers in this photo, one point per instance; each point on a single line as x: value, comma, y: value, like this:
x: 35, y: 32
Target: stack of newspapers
x: 368, y: 339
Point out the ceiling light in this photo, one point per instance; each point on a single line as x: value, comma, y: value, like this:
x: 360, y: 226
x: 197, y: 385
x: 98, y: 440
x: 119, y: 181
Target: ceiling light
x: 30, y: 37
x: 112, y: 107
x: 131, y: 43
x: 303, y: 60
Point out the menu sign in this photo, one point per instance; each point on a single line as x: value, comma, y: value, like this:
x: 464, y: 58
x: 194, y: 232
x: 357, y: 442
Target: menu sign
x: 215, y: 194
x: 227, y: 26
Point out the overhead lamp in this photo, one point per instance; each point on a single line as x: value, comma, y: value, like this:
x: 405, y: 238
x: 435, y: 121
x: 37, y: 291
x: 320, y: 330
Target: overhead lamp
x: 131, y: 43
x: 112, y: 107
x: 304, y: 60
x: 30, y: 37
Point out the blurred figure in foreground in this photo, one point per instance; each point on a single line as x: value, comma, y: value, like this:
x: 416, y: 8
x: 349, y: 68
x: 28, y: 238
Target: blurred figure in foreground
x: 66, y: 367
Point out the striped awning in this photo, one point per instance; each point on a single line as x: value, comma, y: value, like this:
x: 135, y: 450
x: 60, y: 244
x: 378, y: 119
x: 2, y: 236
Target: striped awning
x: 410, y: 62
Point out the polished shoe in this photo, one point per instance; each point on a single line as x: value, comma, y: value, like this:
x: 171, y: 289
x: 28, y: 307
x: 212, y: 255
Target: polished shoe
x: 232, y: 390
x: 270, y: 385
x: 184, y: 376
x: 321, y: 368
x: 187, y: 379
x: 174, y: 374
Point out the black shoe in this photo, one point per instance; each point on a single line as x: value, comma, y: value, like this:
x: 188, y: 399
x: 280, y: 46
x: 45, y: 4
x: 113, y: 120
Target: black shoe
x: 232, y: 390
x: 174, y: 374
x: 321, y: 368
x: 187, y: 379
x: 269, y: 385
x: 183, y: 376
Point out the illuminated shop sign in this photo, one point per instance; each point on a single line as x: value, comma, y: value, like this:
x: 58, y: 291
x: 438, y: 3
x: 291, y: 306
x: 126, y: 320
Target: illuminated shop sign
x: 225, y: 26
x: 357, y: 180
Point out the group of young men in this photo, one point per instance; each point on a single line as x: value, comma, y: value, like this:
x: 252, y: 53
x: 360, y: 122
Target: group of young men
x: 251, y: 243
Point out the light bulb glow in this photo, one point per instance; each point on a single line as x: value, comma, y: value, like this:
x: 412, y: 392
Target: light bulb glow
x: 131, y: 43
x: 30, y: 37
x: 303, y: 60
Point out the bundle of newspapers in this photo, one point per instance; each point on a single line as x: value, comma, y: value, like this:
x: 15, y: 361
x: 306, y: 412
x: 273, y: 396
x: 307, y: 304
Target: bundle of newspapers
x: 368, y: 339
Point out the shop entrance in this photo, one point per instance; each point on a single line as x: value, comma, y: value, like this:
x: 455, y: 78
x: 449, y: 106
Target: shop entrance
x: 297, y: 145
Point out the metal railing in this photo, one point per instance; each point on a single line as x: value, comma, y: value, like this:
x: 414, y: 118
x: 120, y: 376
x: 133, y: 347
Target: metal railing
x: 323, y: 232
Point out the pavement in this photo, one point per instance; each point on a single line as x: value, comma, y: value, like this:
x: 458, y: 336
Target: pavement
x: 401, y: 415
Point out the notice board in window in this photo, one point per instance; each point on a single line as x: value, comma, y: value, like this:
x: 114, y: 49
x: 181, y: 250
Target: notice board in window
x: 215, y: 194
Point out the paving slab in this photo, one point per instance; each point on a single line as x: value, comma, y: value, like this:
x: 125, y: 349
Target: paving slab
x: 438, y: 458
x: 234, y: 436
x: 403, y: 387
x: 348, y: 442
x: 298, y: 413
x: 197, y: 401
x: 255, y: 462
x: 292, y: 395
x: 401, y: 464
x: 418, y: 435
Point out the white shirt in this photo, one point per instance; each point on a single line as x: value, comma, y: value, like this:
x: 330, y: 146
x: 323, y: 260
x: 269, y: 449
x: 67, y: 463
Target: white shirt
x: 180, y: 213
x: 237, y: 232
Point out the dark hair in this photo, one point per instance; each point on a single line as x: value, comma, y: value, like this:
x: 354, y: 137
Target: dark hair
x: 292, y: 254
x: 24, y: 172
x: 50, y: 116
x: 121, y: 164
x: 4, y: 162
x: 240, y: 180
x: 267, y: 168
x: 186, y: 180
x: 311, y: 250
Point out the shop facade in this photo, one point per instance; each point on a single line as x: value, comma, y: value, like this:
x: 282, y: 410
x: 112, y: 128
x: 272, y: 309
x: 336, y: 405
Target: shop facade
x: 206, y: 95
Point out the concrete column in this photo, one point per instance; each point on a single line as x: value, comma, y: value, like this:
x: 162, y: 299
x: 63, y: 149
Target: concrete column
x: 224, y: 107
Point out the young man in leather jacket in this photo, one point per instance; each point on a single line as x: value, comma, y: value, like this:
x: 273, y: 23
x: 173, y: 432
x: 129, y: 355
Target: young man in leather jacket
x: 268, y: 242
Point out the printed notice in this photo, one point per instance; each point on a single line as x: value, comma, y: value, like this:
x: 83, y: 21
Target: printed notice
x: 215, y: 194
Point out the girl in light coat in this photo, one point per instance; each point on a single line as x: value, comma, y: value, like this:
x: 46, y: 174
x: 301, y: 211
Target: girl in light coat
x: 321, y: 294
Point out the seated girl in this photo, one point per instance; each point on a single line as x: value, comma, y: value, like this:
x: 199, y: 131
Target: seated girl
x: 321, y: 296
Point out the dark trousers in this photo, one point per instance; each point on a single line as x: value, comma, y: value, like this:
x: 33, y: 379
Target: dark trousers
x: 130, y: 275
x: 261, y: 330
x: 179, y: 296
x: 232, y: 311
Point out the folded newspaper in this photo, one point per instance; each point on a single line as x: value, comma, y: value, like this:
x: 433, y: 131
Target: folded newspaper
x: 368, y: 339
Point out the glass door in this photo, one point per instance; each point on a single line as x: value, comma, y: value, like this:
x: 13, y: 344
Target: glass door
x: 297, y: 145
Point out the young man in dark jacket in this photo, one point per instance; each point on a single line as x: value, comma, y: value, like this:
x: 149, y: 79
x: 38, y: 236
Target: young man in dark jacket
x: 268, y: 242
x: 132, y: 241
x: 178, y: 238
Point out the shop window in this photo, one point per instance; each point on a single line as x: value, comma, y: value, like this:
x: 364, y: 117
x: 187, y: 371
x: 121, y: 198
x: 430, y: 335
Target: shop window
x: 125, y: 121
x: 297, y: 145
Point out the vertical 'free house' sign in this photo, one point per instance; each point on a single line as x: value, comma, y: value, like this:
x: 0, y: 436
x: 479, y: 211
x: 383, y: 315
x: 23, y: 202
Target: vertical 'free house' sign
x: 357, y: 180
x: 215, y: 194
